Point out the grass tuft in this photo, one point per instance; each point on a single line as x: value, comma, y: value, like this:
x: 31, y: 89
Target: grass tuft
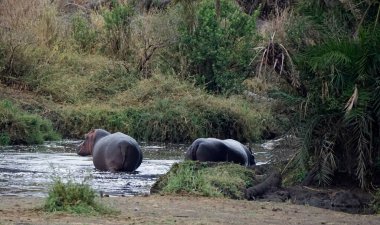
x: 206, y: 179
x: 74, y: 198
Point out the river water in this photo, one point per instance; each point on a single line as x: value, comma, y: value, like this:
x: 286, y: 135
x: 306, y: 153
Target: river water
x: 30, y: 170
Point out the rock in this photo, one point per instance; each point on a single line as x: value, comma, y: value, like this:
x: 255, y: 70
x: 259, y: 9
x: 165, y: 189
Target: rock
x: 273, y: 181
x: 345, y: 199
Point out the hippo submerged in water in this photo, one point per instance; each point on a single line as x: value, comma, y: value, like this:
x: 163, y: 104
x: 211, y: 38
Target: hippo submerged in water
x: 111, y: 152
x: 216, y: 150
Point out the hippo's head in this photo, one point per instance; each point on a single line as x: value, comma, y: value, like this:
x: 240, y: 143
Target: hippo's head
x: 85, y: 148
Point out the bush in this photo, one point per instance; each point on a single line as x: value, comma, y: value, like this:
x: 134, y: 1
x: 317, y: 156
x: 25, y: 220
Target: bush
x: 343, y: 112
x: 74, y: 198
x: 75, y: 122
x: 4, y: 139
x: 22, y: 127
x: 117, y: 25
x: 206, y: 179
x: 164, y: 108
x: 83, y: 33
x: 219, y: 50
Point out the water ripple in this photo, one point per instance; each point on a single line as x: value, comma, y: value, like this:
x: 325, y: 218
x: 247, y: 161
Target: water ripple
x: 29, y: 170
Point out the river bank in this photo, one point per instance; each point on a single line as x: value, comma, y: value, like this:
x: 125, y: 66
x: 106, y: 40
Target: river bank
x: 157, y: 209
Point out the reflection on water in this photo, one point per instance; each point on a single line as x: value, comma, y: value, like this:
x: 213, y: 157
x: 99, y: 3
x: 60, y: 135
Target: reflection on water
x: 28, y: 170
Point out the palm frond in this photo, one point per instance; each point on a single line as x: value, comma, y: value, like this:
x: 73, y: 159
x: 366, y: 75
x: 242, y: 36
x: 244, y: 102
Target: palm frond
x: 332, y: 53
x: 327, y: 163
x: 359, y: 125
x: 352, y: 101
x: 376, y: 100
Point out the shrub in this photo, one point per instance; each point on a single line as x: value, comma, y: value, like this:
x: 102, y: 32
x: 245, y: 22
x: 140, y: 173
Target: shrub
x: 77, y: 121
x: 22, y: 127
x: 117, y: 25
x: 74, y: 198
x: 4, y: 139
x: 219, y: 50
x: 165, y: 108
x: 83, y: 33
x: 343, y: 107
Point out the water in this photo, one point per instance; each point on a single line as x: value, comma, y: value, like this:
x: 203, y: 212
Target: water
x: 29, y: 170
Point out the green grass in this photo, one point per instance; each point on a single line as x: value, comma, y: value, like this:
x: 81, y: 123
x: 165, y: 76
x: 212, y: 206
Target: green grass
x: 82, y: 89
x: 164, y: 109
x: 202, y: 179
x: 74, y: 198
x: 21, y: 127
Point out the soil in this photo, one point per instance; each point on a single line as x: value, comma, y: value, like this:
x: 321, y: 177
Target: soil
x: 156, y: 209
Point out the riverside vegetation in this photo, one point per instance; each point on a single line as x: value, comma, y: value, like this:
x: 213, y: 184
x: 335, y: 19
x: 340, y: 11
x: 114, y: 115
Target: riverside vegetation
x: 121, y: 70
x: 193, y: 69
x: 76, y: 198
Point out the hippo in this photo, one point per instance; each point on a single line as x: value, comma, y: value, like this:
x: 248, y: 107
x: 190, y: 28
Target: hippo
x: 216, y: 150
x: 111, y: 152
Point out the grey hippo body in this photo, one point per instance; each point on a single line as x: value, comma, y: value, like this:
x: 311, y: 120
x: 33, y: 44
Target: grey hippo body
x: 217, y: 150
x: 112, y: 152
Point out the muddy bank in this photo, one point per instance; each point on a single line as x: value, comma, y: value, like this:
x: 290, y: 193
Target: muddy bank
x: 350, y: 201
x: 180, y: 210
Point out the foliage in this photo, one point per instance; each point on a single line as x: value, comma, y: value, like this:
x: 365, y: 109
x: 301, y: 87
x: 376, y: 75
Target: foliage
x: 216, y: 180
x: 376, y: 201
x: 83, y: 33
x: 74, y: 198
x: 19, y: 127
x: 168, y: 109
x: 75, y: 122
x: 81, y: 90
x: 117, y: 24
x: 4, y: 139
x: 219, y: 50
x: 185, y: 178
x: 167, y: 113
x: 110, y: 80
x: 343, y: 78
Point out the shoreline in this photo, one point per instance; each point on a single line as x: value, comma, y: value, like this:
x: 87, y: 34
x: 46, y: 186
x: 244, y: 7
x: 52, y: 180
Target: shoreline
x: 156, y: 209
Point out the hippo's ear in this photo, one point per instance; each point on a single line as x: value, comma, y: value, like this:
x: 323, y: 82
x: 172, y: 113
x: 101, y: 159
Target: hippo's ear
x: 87, y: 146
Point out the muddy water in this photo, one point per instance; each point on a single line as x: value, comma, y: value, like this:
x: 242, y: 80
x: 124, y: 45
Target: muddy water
x: 29, y: 170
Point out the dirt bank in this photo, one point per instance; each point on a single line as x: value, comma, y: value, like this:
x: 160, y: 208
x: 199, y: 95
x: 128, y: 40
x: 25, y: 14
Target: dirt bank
x: 181, y: 210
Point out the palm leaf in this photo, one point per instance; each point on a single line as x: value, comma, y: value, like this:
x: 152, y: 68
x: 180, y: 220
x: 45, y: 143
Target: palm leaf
x: 327, y: 162
x: 359, y: 125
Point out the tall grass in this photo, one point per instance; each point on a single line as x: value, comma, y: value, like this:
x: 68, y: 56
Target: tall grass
x: 170, y: 104
x: 20, y: 127
x: 202, y: 179
x: 129, y: 86
x: 77, y: 198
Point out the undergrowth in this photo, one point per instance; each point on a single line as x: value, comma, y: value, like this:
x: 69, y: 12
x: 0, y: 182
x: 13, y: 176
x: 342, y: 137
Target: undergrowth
x: 205, y: 179
x: 117, y: 69
x: 20, y: 127
x: 171, y: 112
x: 76, y: 198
